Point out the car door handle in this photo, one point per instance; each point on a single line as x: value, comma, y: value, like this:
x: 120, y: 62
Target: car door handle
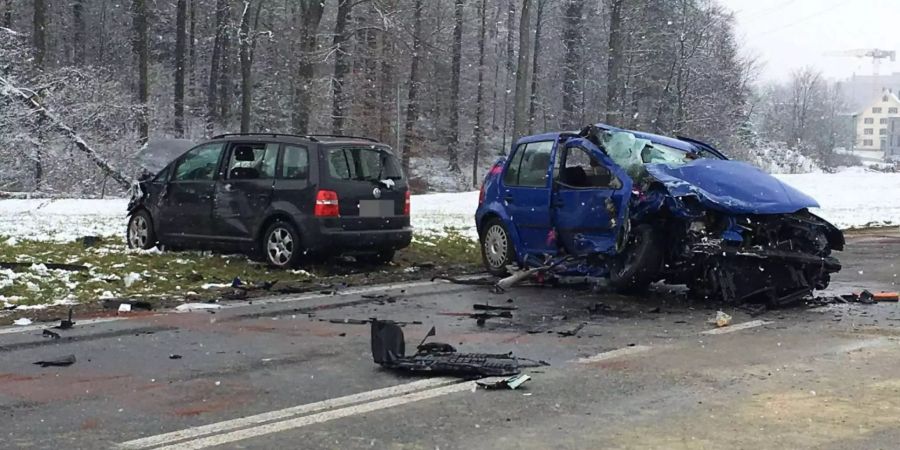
x: 557, y: 203
x: 508, y: 199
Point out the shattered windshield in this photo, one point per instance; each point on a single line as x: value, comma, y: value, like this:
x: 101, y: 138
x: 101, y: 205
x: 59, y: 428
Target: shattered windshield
x: 631, y: 152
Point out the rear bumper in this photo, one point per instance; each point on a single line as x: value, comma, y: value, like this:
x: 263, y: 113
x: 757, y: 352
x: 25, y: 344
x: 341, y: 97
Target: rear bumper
x: 336, y: 241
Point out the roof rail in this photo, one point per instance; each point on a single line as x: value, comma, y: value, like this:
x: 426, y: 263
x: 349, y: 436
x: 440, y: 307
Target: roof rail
x: 344, y: 136
x: 311, y: 138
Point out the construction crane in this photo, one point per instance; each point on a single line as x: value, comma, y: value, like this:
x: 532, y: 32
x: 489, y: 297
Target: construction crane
x: 876, y: 54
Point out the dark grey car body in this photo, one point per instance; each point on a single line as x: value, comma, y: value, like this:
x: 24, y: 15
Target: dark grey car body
x: 223, y: 210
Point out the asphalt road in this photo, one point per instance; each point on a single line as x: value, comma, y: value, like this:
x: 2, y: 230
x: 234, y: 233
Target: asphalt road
x: 279, y: 374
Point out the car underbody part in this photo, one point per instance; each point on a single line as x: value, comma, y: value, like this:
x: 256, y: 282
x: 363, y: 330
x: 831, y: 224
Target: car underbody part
x: 58, y: 362
x: 389, y: 351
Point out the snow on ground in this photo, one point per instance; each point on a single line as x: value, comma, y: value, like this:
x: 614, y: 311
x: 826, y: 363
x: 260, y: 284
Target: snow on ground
x: 850, y: 198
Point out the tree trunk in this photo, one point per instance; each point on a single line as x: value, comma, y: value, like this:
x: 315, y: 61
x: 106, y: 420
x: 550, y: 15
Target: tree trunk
x: 212, y: 90
x: 479, y: 111
x: 180, y: 38
x: 311, y: 14
x: 614, y: 64
x: 453, y: 139
x: 192, y: 59
x: 78, y: 43
x: 520, y: 119
x: 244, y: 41
x: 572, y: 41
x: 510, y: 53
x: 412, y: 111
x: 140, y: 48
x: 535, y: 69
x: 8, y: 14
x: 38, y: 35
x: 341, y: 65
x: 225, y: 88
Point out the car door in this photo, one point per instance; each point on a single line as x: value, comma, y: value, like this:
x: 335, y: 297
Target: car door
x: 525, y: 191
x: 186, y: 201
x: 590, y: 199
x: 244, y: 191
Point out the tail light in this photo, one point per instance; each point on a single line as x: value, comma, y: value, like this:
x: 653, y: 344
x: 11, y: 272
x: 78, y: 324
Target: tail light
x: 481, y: 194
x: 327, y: 204
x: 406, y: 205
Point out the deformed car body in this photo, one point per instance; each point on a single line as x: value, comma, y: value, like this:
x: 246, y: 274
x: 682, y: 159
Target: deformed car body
x: 640, y: 208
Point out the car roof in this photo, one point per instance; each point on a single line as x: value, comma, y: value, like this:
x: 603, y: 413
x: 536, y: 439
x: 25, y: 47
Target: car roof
x: 655, y: 138
x: 307, y: 138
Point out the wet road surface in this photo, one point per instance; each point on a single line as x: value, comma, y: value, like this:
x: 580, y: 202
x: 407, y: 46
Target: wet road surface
x: 640, y: 373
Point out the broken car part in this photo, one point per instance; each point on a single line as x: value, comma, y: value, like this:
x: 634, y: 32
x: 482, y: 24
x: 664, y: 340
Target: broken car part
x: 58, y: 362
x: 389, y: 351
x: 512, y: 382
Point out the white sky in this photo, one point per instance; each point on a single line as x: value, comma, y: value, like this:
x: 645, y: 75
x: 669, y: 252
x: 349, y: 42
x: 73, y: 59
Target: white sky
x: 788, y: 34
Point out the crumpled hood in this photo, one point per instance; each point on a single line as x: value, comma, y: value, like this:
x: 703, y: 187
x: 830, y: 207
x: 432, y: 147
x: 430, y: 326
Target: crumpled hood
x: 731, y: 186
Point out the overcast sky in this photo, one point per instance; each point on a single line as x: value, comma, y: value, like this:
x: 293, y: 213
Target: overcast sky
x: 787, y: 34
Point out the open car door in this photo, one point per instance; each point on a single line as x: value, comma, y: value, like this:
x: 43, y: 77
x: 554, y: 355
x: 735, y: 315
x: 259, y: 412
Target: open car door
x: 589, y: 205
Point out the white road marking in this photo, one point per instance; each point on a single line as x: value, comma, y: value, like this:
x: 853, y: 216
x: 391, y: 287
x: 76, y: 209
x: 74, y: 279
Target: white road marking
x: 614, y: 354
x: 228, y: 425
x: 41, y: 326
x: 290, y: 424
x: 737, y: 327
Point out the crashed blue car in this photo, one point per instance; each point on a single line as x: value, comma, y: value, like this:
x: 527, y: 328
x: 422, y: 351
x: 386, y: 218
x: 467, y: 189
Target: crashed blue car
x: 639, y: 208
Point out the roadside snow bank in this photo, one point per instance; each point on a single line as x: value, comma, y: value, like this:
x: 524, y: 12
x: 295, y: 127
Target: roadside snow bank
x: 851, y: 198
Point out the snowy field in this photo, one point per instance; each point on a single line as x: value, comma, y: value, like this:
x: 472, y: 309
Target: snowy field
x: 850, y: 199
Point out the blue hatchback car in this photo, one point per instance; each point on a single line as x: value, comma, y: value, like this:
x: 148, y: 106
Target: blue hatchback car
x: 640, y: 208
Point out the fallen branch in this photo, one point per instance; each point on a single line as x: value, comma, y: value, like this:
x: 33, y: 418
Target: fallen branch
x: 8, y: 90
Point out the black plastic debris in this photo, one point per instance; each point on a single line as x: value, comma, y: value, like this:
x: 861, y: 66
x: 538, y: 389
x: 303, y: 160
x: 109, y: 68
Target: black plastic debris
x: 512, y: 382
x: 50, y: 334
x: 482, y: 317
x: 486, y: 307
x: 175, y: 356
x: 65, y: 324
x: 58, y: 362
x: 90, y: 241
x: 350, y: 321
x: 389, y: 351
x: 573, y: 331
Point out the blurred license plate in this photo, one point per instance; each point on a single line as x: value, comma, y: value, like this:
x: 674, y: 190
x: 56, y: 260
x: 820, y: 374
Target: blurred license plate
x: 376, y: 208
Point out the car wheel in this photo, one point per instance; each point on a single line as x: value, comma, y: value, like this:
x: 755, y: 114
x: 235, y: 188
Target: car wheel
x: 281, y: 245
x: 140, y: 232
x: 638, y: 265
x: 382, y: 257
x: 496, y: 248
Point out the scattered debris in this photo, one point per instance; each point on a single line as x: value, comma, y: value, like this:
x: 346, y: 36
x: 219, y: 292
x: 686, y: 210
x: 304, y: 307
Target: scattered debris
x: 51, y: 266
x: 50, y: 334
x: 486, y: 307
x: 599, y: 308
x: 504, y: 383
x: 130, y: 279
x: 124, y: 307
x: 58, y: 362
x: 350, y: 321
x: 482, y: 317
x: 884, y: 296
x: 90, y: 241
x: 380, y: 298
x: 389, y: 351
x: 65, y: 324
x: 22, y: 321
x: 721, y: 320
x: 467, y: 281
x: 197, y: 306
x: 753, y: 309
x: 573, y: 331
x: 132, y: 304
x: 174, y: 356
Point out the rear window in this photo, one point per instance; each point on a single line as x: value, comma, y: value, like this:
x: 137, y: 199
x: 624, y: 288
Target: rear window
x: 362, y: 163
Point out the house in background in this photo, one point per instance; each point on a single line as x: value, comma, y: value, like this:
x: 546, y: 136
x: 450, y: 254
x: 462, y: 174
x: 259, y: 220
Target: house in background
x: 873, y: 127
x: 892, y: 150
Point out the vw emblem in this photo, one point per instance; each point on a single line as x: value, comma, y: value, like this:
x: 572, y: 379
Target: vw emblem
x: 376, y: 193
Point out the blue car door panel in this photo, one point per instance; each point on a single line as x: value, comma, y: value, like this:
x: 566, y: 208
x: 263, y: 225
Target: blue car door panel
x: 589, y: 200
x: 525, y: 192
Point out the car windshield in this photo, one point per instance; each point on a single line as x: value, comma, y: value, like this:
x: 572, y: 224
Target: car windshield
x: 363, y: 163
x: 631, y: 152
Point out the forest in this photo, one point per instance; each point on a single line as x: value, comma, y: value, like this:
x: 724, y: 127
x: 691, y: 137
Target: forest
x: 449, y: 84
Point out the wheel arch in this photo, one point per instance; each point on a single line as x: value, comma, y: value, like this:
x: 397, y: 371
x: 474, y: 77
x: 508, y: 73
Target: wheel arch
x: 272, y: 218
x: 510, y: 230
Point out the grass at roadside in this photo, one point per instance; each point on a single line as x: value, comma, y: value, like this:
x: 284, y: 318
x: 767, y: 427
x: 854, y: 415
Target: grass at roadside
x: 113, y: 271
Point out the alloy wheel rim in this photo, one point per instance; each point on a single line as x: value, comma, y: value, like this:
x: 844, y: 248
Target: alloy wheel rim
x: 495, y: 246
x: 280, y: 246
x: 138, y: 232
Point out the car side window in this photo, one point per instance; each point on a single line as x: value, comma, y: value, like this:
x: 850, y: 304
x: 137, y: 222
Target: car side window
x: 252, y: 161
x: 511, y: 177
x: 583, y: 170
x: 295, y: 163
x: 535, y: 162
x: 199, y: 164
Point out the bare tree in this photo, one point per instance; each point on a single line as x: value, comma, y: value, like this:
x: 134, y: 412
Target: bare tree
x: 412, y: 111
x: 615, y: 61
x: 38, y: 36
x: 453, y: 138
x: 310, y: 16
x: 247, y: 39
x: 341, y: 65
x: 572, y: 67
x: 535, y: 68
x: 139, y: 18
x: 180, y: 38
x: 78, y: 44
x: 520, y: 113
x: 479, y: 103
x: 212, y: 90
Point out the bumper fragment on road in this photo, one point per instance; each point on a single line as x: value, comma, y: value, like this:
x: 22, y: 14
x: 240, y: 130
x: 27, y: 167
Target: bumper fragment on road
x: 737, y: 327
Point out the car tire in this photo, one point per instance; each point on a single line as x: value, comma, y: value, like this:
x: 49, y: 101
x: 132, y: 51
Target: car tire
x: 140, y: 232
x: 638, y: 265
x: 380, y: 258
x: 496, y: 248
x: 281, y: 246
